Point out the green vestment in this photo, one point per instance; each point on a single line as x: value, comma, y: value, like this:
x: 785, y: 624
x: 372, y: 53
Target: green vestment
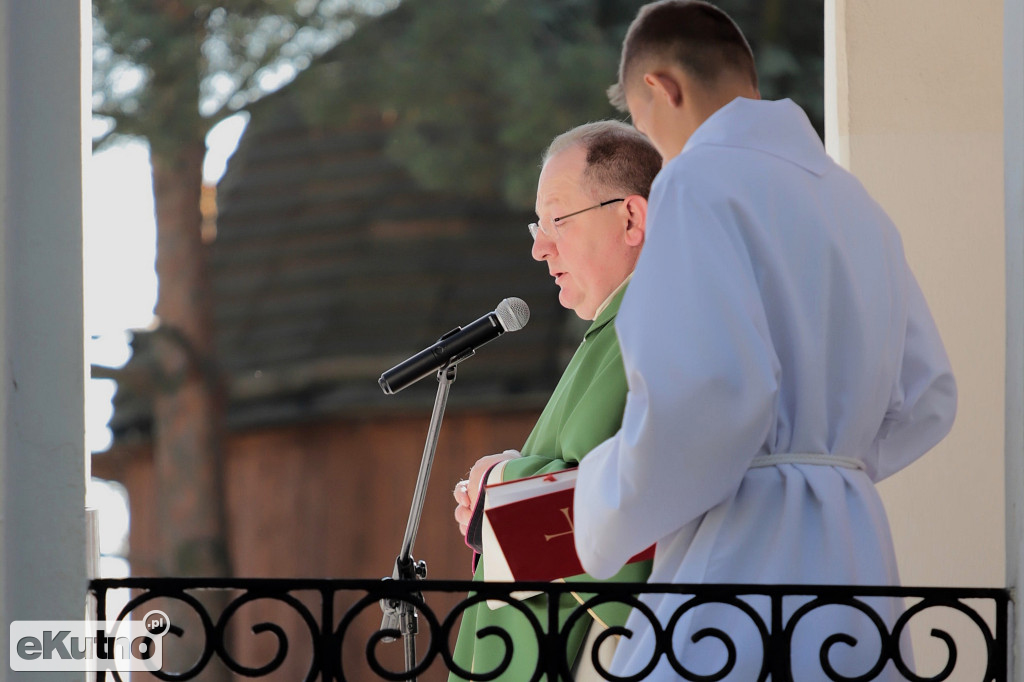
x: 584, y: 410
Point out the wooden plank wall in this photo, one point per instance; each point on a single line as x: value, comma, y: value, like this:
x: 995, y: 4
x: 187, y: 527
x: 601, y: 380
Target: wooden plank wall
x: 331, y: 500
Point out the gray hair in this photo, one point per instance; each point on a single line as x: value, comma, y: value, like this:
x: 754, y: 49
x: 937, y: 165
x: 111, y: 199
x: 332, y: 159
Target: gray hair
x: 619, y: 157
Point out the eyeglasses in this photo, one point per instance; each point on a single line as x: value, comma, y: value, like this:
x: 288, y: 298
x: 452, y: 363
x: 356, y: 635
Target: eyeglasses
x: 552, y: 232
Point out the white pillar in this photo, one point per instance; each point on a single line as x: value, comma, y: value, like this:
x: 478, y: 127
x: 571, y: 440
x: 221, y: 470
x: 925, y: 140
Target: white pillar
x: 1013, y: 145
x: 916, y: 112
x: 42, y: 375
x: 914, y: 106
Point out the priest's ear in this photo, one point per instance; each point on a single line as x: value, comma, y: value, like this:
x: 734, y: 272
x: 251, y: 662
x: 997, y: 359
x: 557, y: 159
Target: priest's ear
x: 636, y: 220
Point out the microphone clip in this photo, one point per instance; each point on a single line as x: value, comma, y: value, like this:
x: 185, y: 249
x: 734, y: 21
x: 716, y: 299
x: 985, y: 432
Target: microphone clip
x: 449, y: 369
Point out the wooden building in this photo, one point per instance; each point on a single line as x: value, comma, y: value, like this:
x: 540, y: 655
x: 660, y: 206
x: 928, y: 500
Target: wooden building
x: 329, y: 265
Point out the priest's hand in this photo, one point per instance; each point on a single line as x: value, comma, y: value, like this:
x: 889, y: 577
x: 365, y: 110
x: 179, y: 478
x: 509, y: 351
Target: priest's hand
x: 463, y: 507
x: 467, y: 491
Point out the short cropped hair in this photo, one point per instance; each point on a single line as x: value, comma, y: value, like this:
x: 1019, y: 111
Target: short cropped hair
x: 619, y: 157
x: 694, y: 35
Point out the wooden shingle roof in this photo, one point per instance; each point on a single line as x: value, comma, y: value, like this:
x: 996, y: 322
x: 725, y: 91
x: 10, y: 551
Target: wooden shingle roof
x: 330, y: 265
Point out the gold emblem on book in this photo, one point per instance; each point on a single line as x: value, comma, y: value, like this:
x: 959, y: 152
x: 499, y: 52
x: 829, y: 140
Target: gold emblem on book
x: 568, y: 519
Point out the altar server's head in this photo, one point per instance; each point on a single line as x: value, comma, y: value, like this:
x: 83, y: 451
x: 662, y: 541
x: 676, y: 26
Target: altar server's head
x: 592, y: 210
x: 682, y: 60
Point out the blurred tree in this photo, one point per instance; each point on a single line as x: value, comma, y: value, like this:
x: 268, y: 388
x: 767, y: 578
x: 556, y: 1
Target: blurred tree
x: 788, y: 39
x: 167, y: 71
x: 477, y: 88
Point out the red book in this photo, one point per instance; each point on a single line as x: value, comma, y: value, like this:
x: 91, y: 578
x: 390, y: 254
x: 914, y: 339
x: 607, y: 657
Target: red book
x: 528, y: 529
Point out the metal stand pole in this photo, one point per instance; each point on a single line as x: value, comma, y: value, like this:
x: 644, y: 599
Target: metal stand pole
x: 398, y: 614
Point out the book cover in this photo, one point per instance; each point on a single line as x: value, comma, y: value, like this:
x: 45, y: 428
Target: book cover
x: 528, y: 529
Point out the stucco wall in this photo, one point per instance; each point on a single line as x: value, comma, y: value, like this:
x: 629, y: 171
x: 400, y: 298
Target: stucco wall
x: 915, y: 110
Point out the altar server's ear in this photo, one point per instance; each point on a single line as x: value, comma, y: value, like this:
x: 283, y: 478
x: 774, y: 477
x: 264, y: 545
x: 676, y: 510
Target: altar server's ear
x: 665, y: 86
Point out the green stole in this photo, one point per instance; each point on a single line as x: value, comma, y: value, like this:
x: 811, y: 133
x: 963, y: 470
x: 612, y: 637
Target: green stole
x: 584, y: 410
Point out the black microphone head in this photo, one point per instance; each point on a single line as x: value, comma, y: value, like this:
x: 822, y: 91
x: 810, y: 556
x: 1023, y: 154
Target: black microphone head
x: 513, y: 314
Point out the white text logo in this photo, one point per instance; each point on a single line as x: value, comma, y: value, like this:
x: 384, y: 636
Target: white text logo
x: 82, y: 645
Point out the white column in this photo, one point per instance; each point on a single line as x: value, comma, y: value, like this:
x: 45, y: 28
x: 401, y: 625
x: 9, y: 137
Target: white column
x: 916, y: 113
x: 1013, y: 145
x: 914, y: 95
x: 42, y: 375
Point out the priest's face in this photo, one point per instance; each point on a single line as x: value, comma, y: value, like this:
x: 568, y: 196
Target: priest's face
x: 586, y: 253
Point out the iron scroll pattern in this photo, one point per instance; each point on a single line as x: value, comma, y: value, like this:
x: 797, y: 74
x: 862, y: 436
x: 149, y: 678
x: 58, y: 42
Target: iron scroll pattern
x: 326, y: 610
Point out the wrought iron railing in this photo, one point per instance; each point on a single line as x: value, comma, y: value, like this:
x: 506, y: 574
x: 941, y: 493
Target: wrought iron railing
x: 329, y: 630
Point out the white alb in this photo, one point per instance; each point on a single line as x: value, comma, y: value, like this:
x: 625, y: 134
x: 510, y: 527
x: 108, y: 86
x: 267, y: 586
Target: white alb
x: 772, y: 312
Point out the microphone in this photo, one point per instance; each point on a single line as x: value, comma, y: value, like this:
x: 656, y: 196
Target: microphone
x: 511, y: 315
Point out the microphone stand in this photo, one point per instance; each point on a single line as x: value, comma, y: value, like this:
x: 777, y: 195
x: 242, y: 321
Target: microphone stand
x: 400, y: 614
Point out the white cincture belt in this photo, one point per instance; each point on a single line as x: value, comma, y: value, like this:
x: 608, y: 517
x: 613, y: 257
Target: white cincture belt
x: 807, y: 458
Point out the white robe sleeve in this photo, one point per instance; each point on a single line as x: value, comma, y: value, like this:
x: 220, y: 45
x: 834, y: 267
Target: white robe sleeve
x: 923, y: 403
x: 703, y: 380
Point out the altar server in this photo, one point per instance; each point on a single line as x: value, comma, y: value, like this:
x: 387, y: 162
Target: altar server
x: 780, y: 359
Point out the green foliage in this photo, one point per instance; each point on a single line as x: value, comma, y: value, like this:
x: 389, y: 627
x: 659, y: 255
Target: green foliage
x: 788, y: 40
x: 477, y: 88
x: 477, y: 118
x: 168, y: 70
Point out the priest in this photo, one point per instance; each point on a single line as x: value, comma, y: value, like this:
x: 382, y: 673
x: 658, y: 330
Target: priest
x: 591, y: 220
